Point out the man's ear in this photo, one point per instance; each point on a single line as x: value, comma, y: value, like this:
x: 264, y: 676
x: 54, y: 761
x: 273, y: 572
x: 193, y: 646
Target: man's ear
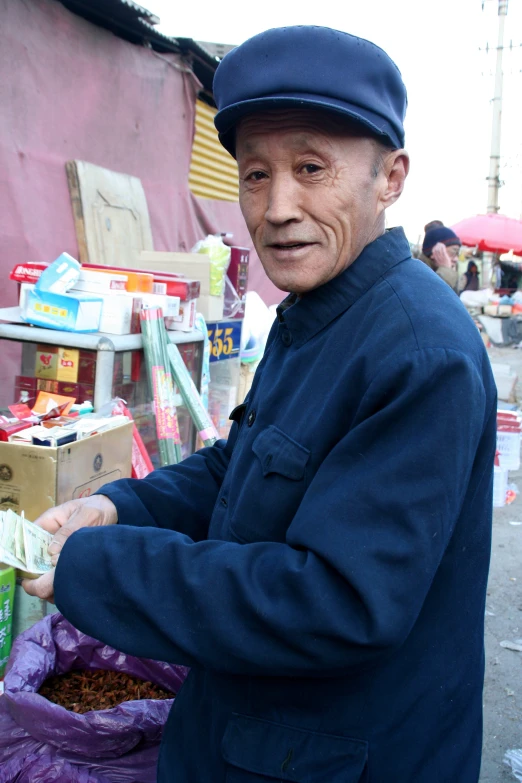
x: 395, y: 169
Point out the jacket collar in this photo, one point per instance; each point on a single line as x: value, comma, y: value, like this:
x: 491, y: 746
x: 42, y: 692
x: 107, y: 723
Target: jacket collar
x: 310, y: 314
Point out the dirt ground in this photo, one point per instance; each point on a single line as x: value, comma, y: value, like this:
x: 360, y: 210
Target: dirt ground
x: 503, y: 683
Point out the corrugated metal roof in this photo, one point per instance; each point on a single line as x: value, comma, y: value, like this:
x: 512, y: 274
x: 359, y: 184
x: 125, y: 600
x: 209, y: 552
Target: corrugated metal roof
x: 133, y: 23
x: 213, y: 172
x: 125, y: 19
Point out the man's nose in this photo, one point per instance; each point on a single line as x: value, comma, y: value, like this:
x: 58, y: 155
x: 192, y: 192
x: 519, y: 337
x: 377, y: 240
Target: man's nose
x: 283, y: 200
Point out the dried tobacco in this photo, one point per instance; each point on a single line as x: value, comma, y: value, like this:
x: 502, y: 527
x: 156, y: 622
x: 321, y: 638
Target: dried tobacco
x: 83, y: 691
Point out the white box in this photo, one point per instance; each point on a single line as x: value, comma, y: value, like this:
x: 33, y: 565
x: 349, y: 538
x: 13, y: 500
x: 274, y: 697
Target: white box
x: 186, y: 320
x: 169, y: 304
x: 100, y: 282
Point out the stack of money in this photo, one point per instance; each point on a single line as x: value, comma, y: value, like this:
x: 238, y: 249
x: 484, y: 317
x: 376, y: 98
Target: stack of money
x: 23, y: 545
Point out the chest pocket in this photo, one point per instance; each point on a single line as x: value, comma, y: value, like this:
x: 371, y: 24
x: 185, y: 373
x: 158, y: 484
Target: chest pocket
x: 259, y: 751
x: 273, y: 489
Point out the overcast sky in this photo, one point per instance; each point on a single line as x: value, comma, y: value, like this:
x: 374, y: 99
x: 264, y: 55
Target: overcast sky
x: 449, y: 82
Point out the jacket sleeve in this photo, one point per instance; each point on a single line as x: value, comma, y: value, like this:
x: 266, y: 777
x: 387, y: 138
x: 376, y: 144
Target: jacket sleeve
x: 178, y: 497
x: 359, y: 558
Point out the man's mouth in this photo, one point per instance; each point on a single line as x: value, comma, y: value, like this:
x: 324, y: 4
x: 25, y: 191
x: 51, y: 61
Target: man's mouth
x: 289, y: 245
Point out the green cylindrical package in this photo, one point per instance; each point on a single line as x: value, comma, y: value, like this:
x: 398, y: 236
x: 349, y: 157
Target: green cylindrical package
x: 191, y: 398
x: 7, y: 589
x: 162, y: 389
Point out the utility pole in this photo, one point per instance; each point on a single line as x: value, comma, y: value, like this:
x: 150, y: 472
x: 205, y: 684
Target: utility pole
x: 494, y: 160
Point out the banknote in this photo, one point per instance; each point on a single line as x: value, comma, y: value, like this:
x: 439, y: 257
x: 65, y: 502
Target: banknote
x: 23, y: 545
x: 36, y: 541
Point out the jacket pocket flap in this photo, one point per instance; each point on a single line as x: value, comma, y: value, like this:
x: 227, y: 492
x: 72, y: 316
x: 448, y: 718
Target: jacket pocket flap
x: 279, y: 453
x: 285, y: 753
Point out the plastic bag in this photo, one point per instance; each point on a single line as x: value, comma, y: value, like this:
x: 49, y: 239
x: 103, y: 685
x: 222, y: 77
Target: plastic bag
x: 119, y: 745
x: 219, y: 255
x: 513, y: 759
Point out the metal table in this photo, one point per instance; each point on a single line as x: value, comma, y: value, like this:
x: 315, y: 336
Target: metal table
x: 106, y: 345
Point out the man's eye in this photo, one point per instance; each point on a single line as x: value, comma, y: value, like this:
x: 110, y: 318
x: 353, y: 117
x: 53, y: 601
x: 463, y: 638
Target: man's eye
x: 256, y: 176
x: 311, y: 168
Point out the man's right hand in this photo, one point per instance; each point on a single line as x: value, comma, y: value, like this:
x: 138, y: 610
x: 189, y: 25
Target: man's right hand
x: 63, y: 520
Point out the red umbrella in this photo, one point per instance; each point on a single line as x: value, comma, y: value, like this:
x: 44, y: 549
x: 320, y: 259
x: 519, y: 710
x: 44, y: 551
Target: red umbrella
x: 494, y: 233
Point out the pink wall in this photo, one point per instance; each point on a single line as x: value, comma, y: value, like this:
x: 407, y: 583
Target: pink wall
x: 71, y: 90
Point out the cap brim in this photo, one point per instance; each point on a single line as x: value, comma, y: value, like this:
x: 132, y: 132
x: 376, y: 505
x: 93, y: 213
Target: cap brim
x: 227, y: 119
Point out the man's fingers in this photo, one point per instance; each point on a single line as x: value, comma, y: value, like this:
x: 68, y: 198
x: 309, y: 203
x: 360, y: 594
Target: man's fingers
x: 82, y: 517
x: 53, y: 519
x: 43, y: 587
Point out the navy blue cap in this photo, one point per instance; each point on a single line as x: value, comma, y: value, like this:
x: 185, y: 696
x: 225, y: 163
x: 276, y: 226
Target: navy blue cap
x: 436, y: 235
x: 311, y: 67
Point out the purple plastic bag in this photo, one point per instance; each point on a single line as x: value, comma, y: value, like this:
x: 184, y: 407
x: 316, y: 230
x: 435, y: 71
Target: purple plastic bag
x: 42, y: 742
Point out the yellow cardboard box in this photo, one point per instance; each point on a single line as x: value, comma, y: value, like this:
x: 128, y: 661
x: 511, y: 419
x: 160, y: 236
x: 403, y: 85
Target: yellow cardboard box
x: 35, y: 478
x: 54, y: 363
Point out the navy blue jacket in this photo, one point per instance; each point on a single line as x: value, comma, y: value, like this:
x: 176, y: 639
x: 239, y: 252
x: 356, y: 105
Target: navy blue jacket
x: 324, y: 571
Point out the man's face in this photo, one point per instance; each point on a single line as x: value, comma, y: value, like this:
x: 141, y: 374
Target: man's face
x: 453, y: 251
x: 312, y: 194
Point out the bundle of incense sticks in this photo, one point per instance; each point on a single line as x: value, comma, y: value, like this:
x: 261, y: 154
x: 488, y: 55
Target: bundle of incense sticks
x: 191, y: 397
x: 161, y: 385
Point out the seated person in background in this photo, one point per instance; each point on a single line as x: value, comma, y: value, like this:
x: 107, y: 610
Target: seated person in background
x: 469, y: 281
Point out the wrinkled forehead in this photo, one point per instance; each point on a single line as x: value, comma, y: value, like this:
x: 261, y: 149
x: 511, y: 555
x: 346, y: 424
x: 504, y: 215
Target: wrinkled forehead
x: 303, y: 124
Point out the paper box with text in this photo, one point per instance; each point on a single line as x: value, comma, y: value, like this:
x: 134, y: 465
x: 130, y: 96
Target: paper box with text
x: 35, y: 478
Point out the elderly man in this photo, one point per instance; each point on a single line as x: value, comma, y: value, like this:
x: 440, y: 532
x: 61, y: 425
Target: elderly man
x: 324, y: 571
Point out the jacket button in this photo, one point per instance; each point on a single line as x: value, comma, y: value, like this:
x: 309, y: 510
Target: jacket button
x: 286, y: 338
x: 224, y: 502
x: 251, y: 418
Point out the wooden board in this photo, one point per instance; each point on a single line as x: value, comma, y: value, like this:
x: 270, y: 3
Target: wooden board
x: 110, y: 212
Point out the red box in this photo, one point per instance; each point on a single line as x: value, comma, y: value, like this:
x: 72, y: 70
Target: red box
x: 69, y: 389
x: 49, y: 386
x: 11, y: 429
x: 238, y: 276
x: 87, y: 367
x: 25, y: 389
x: 86, y: 393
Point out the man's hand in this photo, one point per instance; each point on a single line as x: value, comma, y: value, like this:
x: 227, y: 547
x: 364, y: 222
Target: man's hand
x: 63, y: 520
x: 43, y: 587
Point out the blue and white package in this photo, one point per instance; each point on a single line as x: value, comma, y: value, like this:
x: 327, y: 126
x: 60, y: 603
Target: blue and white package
x: 59, y: 276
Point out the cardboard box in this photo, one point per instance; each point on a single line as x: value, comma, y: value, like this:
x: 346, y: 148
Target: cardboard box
x: 35, y: 478
x: 195, y: 266
x: 79, y: 313
x: 211, y: 307
x: 54, y: 363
